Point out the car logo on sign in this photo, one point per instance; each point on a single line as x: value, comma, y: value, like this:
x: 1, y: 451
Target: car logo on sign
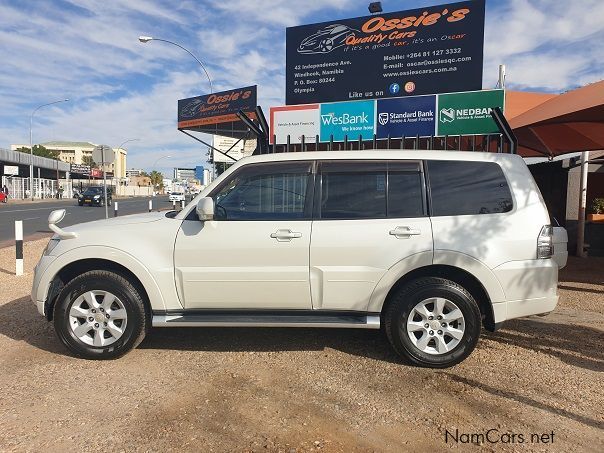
x: 447, y: 115
x: 383, y: 118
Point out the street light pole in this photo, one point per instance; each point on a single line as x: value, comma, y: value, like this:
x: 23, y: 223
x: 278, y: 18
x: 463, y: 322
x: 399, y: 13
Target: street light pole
x: 155, y: 163
x: 124, y: 142
x: 31, y: 145
x: 146, y: 39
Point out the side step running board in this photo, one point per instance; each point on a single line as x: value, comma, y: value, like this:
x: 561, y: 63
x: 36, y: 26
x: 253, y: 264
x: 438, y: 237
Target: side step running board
x: 269, y: 319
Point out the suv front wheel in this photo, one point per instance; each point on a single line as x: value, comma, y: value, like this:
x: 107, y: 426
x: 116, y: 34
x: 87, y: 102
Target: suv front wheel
x: 433, y: 322
x: 100, y: 315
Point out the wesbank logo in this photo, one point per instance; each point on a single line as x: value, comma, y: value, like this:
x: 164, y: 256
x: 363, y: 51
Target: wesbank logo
x: 344, y: 118
x: 347, y: 119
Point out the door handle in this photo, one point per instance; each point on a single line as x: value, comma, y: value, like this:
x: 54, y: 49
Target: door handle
x: 404, y: 232
x: 285, y: 235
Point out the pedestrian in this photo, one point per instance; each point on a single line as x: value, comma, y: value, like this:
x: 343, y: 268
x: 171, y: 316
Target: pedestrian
x: 5, y: 192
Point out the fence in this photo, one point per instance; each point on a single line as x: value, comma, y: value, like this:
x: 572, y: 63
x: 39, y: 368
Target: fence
x: 19, y: 188
x: 483, y: 143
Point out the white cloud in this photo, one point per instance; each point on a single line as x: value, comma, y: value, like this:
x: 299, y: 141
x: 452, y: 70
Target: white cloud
x: 546, y: 44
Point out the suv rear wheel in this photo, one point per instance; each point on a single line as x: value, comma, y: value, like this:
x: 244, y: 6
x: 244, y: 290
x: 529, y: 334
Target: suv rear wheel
x: 433, y: 322
x: 100, y: 315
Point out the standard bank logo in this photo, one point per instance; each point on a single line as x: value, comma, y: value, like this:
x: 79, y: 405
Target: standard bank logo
x: 447, y: 115
x: 383, y: 118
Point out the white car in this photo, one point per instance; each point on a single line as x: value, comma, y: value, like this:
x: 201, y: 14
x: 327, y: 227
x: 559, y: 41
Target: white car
x: 177, y: 196
x: 429, y: 245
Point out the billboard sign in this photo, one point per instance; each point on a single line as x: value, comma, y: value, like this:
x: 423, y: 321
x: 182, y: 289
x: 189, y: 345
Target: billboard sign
x: 11, y: 170
x: 216, y: 108
x: 230, y: 146
x: 80, y: 170
x: 468, y: 113
x: 422, y: 51
x: 463, y: 113
x: 295, y: 121
x: 404, y: 117
x: 352, y: 119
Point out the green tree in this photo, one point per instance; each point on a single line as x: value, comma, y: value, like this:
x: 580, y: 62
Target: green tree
x: 87, y: 160
x: 157, y: 179
x: 41, y: 151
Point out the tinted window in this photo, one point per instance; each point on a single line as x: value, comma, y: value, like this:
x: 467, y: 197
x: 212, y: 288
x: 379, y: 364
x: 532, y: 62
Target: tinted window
x: 405, y: 197
x: 264, y: 192
x: 353, y: 190
x: 462, y: 188
x: 370, y: 190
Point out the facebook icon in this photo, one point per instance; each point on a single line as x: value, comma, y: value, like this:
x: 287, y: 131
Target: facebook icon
x: 394, y: 88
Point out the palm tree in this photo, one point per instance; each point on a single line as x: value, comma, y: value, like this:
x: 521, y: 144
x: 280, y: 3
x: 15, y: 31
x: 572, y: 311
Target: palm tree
x: 157, y: 179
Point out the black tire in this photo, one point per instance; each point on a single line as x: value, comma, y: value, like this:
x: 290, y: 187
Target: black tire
x: 80, y: 204
x: 130, y: 296
x: 406, y: 298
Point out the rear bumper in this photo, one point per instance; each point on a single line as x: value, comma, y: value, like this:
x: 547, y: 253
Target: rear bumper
x: 530, y: 287
x: 525, y: 307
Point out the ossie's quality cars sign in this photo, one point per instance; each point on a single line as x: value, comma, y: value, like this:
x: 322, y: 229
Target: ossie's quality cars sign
x: 422, y: 51
x: 216, y: 108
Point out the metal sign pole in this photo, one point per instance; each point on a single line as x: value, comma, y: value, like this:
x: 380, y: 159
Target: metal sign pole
x: 104, y: 182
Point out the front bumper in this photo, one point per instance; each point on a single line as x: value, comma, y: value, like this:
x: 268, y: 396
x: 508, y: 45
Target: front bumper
x: 38, y: 293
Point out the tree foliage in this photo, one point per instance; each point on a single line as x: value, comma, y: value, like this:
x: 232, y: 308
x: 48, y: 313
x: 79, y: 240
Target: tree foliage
x: 157, y: 179
x: 87, y: 160
x: 41, y: 151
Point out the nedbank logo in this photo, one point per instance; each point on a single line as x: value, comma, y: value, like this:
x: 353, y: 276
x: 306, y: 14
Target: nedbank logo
x: 344, y: 118
x: 447, y: 115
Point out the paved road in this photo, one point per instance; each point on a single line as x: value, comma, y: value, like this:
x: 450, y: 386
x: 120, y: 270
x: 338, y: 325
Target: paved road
x: 35, y: 215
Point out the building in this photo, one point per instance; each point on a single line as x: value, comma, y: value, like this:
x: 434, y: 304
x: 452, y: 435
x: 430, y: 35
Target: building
x: 184, y: 174
x: 81, y: 153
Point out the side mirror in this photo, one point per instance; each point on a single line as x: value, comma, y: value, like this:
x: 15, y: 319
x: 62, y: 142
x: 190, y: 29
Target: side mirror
x: 205, y: 209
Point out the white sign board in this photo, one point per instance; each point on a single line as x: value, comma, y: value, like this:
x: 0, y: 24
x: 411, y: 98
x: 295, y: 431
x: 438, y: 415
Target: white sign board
x: 295, y: 121
x: 103, y: 153
x: 240, y: 150
x: 11, y: 170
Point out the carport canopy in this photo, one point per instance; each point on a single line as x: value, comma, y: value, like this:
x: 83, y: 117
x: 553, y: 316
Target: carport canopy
x: 570, y: 122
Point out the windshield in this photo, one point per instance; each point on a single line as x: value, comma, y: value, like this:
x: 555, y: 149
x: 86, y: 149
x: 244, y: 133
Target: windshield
x: 93, y: 191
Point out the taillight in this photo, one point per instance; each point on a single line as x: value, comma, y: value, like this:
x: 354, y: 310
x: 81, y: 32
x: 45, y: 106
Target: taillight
x: 545, y: 242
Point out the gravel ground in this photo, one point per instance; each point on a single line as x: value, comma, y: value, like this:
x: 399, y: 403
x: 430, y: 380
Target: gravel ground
x: 304, y: 389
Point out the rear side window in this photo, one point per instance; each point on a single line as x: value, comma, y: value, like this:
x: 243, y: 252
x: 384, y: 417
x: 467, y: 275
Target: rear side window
x: 468, y: 188
x: 353, y: 191
x: 370, y: 190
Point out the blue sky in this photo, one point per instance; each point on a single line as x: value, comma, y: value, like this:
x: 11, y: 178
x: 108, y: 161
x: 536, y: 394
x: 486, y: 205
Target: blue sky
x: 88, y: 51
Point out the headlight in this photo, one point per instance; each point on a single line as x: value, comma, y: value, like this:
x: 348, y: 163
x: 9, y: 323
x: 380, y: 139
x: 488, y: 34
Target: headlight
x: 97, y: 196
x: 51, y: 245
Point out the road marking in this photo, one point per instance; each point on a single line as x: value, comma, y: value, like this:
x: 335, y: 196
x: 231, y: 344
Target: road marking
x: 38, y: 209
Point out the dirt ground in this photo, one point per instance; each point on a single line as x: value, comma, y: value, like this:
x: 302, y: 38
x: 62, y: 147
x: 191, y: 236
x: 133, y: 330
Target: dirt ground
x: 538, y: 379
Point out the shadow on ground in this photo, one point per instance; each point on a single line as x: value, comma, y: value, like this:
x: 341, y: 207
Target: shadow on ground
x: 575, y: 345
x: 20, y: 321
x: 579, y: 346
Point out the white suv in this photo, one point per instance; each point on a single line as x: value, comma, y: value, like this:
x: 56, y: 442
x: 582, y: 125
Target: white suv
x: 428, y: 245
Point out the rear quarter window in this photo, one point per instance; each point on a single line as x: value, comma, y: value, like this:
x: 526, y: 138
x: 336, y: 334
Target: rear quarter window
x: 468, y: 188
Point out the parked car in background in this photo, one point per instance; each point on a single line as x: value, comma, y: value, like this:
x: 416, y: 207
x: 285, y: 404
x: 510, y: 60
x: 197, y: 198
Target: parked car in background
x: 94, y: 196
x: 429, y: 246
x: 177, y: 196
